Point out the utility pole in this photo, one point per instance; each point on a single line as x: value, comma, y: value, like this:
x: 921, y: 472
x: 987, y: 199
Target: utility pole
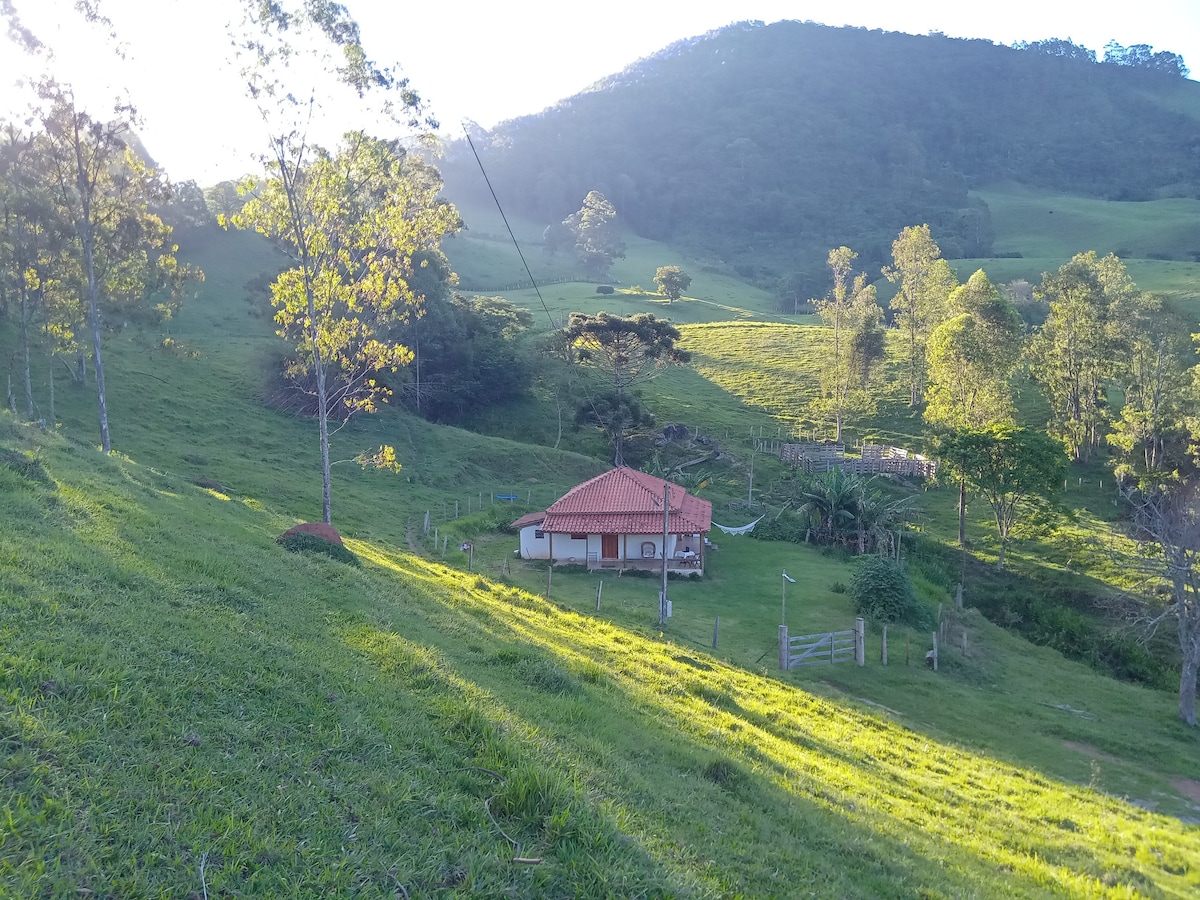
x: 662, y: 597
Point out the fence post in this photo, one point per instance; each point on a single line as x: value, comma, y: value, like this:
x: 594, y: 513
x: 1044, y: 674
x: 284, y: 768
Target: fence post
x: 783, y: 647
x: 935, y: 650
x: 716, y: 631
x: 883, y: 648
x: 599, y: 589
x: 860, y: 642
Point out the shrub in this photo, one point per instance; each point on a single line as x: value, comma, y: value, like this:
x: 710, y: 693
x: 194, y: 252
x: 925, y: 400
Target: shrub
x: 299, y: 542
x: 882, y: 591
x: 604, y: 289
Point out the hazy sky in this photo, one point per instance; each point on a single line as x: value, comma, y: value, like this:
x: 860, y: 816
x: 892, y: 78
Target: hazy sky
x: 490, y: 61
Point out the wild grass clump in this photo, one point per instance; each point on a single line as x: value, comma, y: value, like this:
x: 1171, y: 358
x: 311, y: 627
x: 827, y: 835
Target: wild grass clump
x: 547, y: 676
x: 27, y: 465
x: 723, y: 773
x: 299, y: 542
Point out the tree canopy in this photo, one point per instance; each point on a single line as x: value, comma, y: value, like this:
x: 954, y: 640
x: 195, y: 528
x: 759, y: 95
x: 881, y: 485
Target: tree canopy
x: 626, y: 351
x: 1012, y: 468
x: 672, y: 281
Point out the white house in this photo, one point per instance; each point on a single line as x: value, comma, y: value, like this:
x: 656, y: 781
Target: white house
x: 615, y: 520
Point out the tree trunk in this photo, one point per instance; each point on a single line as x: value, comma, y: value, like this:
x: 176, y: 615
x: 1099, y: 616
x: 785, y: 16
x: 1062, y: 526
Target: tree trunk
x: 323, y: 421
x: 1187, y: 685
x: 28, y: 381
x: 1189, y: 646
x: 94, y: 320
x: 962, y: 511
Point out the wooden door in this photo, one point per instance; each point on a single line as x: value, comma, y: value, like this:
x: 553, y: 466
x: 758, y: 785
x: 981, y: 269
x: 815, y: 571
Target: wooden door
x: 608, y: 546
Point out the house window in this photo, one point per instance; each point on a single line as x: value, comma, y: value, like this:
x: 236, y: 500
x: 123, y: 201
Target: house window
x: 539, y: 534
x: 579, y: 537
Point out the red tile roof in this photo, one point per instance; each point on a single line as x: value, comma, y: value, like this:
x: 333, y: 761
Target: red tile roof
x: 532, y: 518
x: 625, y: 501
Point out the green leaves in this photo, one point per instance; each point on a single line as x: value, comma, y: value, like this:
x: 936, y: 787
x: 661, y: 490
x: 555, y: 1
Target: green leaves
x: 1012, y: 468
x: 353, y: 223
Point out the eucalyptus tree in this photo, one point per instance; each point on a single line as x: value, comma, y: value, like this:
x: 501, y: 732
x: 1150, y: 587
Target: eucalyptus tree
x: 1084, y: 344
x: 105, y: 193
x: 1151, y: 431
x: 971, y: 360
x: 351, y: 221
x: 594, y: 227
x: 972, y: 357
x: 27, y: 237
x: 926, y: 281
x: 852, y: 314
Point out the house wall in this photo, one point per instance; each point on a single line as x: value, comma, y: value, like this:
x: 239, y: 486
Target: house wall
x: 569, y: 551
x: 629, y: 546
x: 534, y: 548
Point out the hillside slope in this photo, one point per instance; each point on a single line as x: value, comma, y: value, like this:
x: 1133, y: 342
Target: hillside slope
x: 185, y: 706
x: 769, y: 144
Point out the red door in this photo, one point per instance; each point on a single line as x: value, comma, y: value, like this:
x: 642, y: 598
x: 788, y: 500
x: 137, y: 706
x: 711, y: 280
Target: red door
x: 608, y: 546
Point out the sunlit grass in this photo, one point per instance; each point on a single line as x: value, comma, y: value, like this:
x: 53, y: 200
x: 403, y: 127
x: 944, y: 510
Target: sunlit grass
x: 897, y: 783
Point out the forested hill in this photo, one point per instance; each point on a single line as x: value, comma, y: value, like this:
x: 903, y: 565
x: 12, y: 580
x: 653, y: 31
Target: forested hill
x: 780, y: 141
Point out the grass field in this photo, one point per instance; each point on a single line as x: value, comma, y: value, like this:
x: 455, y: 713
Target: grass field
x: 188, y: 707
x: 188, y: 710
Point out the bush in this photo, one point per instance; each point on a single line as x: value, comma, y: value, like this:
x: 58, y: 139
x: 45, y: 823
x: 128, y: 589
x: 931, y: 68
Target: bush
x: 299, y: 542
x: 882, y: 591
x: 604, y: 289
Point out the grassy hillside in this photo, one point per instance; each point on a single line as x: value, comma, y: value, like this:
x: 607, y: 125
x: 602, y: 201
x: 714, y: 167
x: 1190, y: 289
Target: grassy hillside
x: 1037, y: 223
x: 188, y: 707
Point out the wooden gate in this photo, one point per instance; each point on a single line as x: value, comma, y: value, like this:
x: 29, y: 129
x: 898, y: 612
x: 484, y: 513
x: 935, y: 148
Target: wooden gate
x: 822, y: 649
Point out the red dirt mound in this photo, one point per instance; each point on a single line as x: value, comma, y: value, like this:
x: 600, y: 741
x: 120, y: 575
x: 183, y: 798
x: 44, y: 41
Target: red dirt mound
x: 319, y: 529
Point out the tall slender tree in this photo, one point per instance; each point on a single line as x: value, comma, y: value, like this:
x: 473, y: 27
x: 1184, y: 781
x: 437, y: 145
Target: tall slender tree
x: 351, y: 222
x: 597, y: 239
x: 852, y: 315
x: 105, y: 193
x: 1084, y: 344
x: 919, y: 304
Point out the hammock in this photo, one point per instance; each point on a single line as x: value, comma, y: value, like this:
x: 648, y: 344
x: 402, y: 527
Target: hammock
x: 743, y: 530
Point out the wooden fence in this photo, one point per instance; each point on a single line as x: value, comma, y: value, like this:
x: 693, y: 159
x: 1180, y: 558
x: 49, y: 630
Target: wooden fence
x: 822, y: 649
x: 876, y: 459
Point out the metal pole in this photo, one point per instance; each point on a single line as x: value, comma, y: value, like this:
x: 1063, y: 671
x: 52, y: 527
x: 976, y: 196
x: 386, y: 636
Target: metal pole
x: 662, y: 606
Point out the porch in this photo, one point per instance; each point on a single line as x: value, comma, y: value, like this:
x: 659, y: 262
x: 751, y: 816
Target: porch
x: 682, y: 564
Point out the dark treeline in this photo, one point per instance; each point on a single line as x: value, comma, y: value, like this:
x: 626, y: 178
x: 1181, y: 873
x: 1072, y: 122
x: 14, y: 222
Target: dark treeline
x: 796, y: 137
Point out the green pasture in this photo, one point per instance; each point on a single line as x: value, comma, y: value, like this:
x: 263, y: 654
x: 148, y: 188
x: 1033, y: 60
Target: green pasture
x: 487, y: 262
x: 1037, y: 224
x: 186, y: 709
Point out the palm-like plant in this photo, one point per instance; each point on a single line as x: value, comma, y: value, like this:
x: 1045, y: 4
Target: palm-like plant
x: 845, y: 509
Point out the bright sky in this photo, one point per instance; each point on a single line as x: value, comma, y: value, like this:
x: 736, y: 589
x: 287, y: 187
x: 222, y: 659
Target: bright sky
x: 490, y: 61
